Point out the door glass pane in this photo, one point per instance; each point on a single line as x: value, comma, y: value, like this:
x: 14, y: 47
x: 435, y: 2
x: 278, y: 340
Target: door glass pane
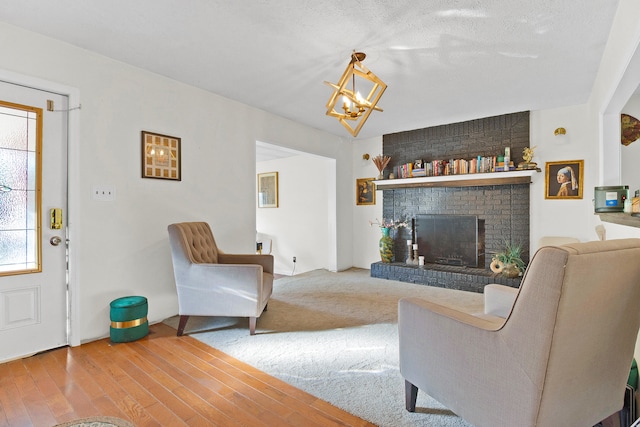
x: 20, y: 236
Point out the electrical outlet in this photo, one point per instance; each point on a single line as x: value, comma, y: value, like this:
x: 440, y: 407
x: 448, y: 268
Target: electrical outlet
x: 294, y: 259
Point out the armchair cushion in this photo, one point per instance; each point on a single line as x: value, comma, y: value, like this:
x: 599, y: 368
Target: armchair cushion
x: 199, y: 243
x: 498, y: 299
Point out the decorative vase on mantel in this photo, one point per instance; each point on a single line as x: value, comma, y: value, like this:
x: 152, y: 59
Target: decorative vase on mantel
x: 381, y: 162
x: 386, y: 246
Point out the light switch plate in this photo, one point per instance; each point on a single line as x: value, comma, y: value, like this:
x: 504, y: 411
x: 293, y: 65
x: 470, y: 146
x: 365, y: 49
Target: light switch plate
x: 104, y: 193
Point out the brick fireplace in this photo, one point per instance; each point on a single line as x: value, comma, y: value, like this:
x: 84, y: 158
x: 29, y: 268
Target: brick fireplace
x: 503, y: 209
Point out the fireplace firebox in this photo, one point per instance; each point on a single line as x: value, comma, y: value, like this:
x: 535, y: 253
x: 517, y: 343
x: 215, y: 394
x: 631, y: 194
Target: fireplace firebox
x: 451, y: 239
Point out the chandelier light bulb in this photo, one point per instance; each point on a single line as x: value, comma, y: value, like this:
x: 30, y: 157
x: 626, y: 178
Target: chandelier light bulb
x: 346, y: 103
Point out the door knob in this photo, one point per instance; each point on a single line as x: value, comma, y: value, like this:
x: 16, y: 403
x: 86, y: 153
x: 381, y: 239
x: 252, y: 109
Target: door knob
x: 55, y: 241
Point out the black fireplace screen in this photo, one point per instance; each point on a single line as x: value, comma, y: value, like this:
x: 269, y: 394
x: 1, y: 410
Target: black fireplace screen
x: 451, y: 239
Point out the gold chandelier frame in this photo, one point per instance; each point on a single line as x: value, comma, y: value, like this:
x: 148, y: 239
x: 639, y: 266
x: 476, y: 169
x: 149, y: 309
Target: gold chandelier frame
x: 355, y: 109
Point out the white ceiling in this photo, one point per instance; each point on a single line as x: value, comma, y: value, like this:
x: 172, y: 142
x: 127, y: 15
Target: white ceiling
x: 443, y: 60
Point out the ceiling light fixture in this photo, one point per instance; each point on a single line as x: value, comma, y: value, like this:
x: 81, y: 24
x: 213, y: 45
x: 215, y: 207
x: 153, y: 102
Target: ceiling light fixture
x: 355, y: 108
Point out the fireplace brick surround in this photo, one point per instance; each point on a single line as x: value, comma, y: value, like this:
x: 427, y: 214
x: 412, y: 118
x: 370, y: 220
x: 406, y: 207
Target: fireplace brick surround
x: 504, y: 208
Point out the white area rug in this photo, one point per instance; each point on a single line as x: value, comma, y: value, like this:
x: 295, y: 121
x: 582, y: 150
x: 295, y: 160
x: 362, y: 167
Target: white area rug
x: 335, y: 336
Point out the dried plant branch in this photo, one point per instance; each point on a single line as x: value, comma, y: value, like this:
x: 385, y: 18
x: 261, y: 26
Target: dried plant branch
x: 381, y: 162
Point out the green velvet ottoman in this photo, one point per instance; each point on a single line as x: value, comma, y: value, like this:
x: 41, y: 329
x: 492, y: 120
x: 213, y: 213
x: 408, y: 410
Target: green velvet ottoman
x: 129, y: 319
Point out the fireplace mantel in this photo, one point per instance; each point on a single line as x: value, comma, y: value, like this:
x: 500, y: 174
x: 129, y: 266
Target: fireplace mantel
x: 465, y: 180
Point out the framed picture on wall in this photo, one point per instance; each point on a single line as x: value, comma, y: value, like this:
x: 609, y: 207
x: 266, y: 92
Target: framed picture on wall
x: 268, y: 190
x: 365, y: 191
x: 160, y: 156
x: 563, y: 179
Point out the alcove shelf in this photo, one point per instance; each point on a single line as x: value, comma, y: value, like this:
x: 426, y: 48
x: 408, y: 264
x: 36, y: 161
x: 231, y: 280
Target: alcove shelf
x: 463, y: 180
x: 620, y: 219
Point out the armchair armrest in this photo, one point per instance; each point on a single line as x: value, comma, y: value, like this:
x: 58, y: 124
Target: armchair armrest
x: 239, y: 277
x: 424, y: 308
x: 224, y: 289
x: 266, y: 261
x: 499, y: 299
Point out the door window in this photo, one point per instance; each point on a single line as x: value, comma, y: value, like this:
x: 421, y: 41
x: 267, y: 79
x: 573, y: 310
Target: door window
x: 20, y: 178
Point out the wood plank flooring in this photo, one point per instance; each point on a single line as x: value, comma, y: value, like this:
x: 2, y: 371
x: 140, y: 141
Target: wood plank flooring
x: 160, y: 380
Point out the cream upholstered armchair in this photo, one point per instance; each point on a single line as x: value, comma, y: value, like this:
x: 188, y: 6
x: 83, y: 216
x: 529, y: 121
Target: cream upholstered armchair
x: 561, y: 357
x: 212, y: 283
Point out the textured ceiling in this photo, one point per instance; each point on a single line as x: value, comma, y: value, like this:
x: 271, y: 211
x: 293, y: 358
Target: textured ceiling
x: 443, y: 60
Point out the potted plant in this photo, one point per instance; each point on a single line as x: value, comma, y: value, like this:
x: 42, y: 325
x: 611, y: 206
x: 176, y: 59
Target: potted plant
x: 509, y: 261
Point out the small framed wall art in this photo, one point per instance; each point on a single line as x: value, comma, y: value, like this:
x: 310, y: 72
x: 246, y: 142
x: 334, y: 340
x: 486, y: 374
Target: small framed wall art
x: 365, y: 191
x: 268, y: 190
x: 563, y: 180
x: 161, y: 156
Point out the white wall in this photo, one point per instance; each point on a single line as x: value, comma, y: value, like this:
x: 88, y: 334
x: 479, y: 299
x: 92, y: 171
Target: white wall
x: 121, y: 247
x: 618, y: 77
x: 553, y: 217
x: 365, y: 237
x: 300, y: 225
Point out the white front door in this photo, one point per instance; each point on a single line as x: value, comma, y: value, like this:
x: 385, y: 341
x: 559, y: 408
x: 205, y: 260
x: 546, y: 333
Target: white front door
x: 33, y: 251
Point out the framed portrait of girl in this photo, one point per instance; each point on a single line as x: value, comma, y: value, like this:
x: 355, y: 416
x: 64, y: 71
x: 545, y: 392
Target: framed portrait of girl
x: 564, y: 179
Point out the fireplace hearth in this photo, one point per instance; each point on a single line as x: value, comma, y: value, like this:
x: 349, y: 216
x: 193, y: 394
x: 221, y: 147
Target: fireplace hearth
x: 442, y: 276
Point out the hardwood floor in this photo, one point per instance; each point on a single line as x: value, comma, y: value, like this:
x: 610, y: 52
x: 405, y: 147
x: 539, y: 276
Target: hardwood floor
x: 160, y: 380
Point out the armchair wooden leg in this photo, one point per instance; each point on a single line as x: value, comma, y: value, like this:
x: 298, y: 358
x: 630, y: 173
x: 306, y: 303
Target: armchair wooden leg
x: 182, y: 324
x: 252, y: 325
x: 410, y: 396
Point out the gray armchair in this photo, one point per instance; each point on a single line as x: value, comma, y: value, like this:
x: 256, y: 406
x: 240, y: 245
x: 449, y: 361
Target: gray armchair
x: 212, y: 283
x: 561, y: 357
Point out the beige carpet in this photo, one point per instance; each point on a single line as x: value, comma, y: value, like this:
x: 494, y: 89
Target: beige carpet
x: 335, y: 336
x: 97, y: 422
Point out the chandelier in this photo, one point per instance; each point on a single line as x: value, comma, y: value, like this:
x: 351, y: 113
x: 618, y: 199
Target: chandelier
x: 355, y: 109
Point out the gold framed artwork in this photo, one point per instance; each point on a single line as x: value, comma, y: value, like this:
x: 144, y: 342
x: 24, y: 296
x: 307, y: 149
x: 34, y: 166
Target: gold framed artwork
x: 563, y: 179
x: 160, y: 156
x: 268, y: 190
x: 365, y: 191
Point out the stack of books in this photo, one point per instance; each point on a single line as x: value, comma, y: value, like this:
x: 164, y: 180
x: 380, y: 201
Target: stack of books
x: 480, y: 164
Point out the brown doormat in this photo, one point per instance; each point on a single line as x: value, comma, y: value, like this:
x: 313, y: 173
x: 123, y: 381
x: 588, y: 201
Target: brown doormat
x: 97, y: 422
